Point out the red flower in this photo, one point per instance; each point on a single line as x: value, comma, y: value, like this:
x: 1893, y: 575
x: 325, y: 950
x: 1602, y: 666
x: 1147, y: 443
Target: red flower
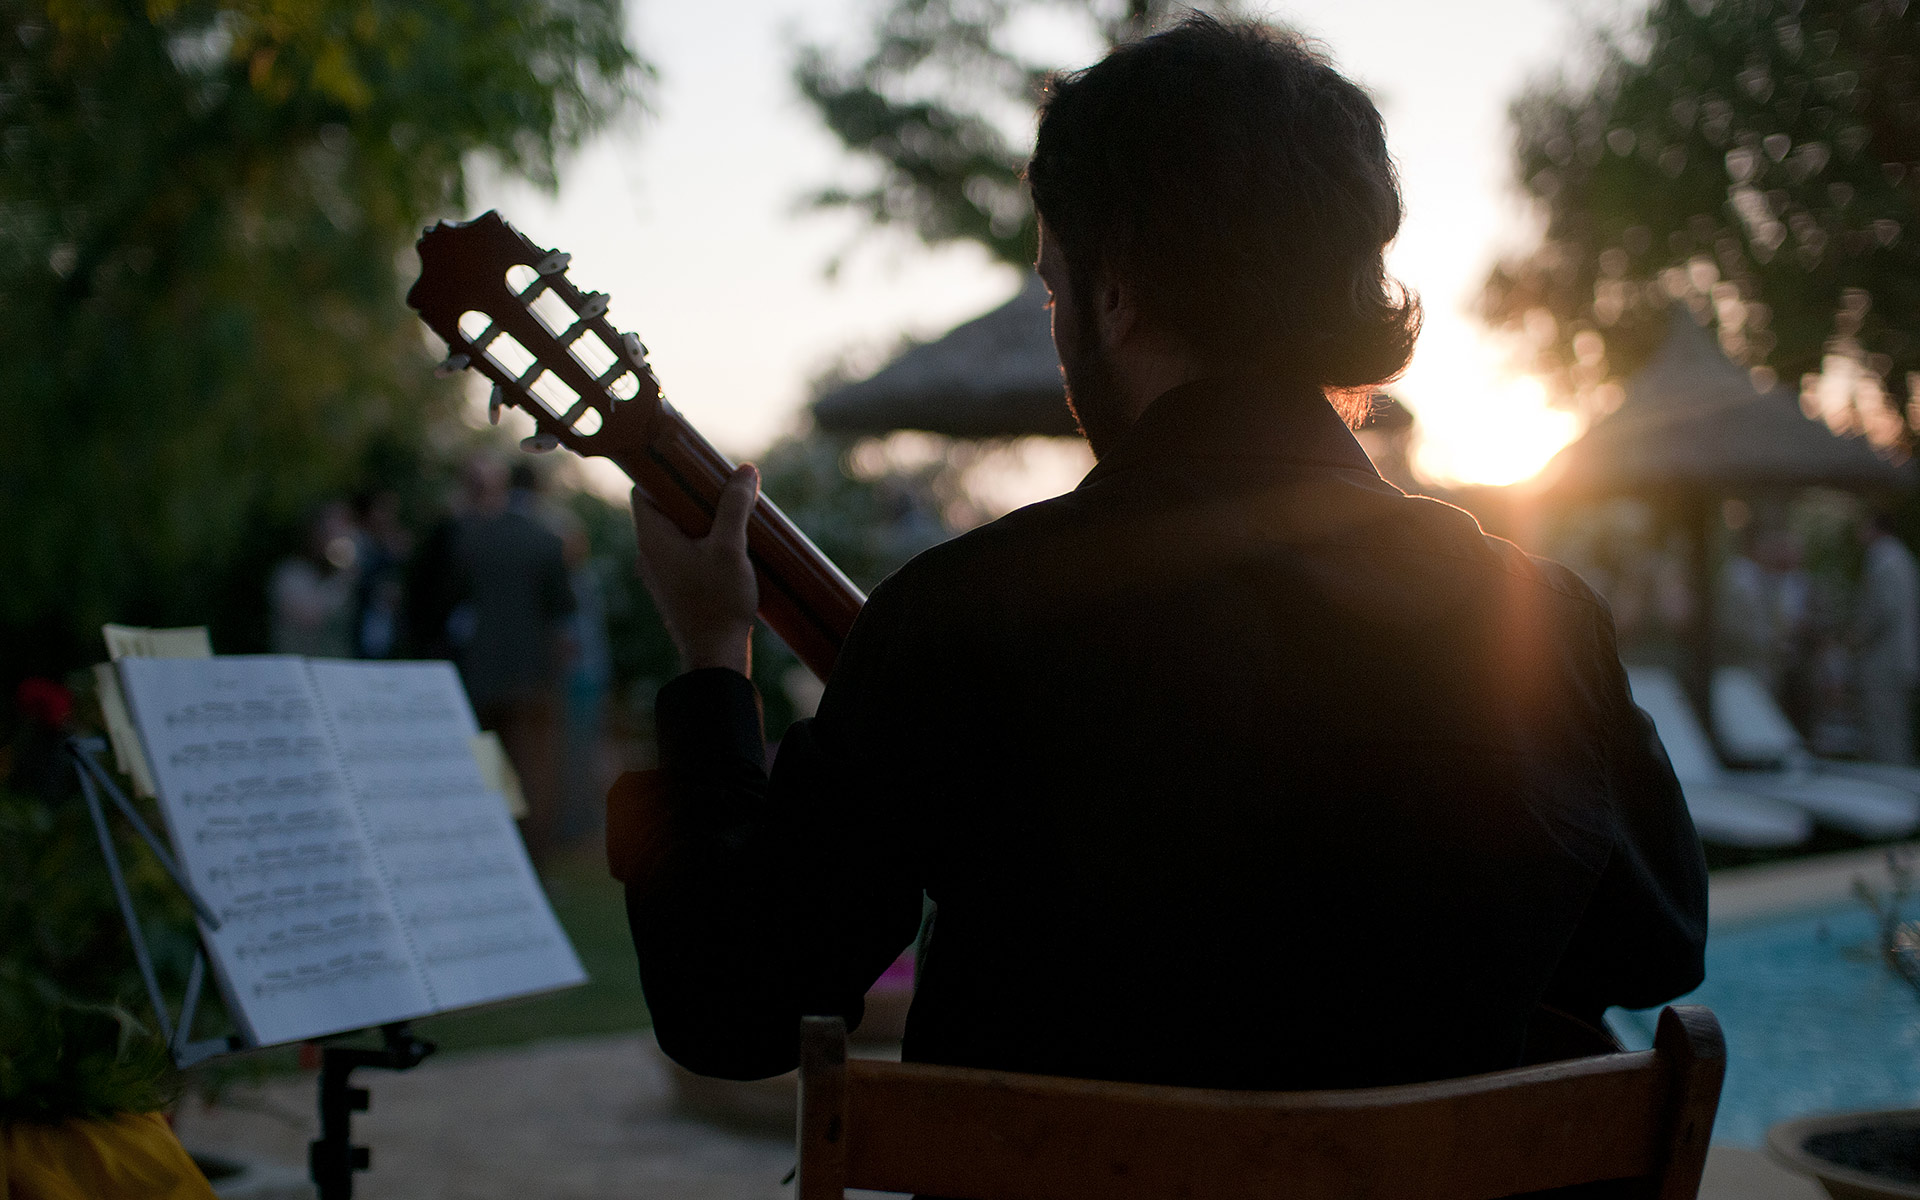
x: 44, y: 701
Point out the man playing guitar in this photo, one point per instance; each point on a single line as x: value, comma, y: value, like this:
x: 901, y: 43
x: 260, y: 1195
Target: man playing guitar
x: 1232, y: 767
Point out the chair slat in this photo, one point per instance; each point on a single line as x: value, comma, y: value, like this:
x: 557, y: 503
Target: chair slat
x: 1009, y: 1137
x: 988, y: 1135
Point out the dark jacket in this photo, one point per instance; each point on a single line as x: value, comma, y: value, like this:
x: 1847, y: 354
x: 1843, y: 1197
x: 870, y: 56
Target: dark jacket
x: 1233, y: 767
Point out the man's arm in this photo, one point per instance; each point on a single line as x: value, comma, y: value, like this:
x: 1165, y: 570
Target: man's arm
x: 1643, y: 939
x: 776, y: 897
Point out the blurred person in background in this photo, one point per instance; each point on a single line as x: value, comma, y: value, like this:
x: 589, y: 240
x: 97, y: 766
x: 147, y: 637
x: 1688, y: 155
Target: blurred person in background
x: 379, y: 595
x: 589, y: 677
x: 310, y: 596
x: 507, y: 629
x: 1886, y: 641
x: 588, y: 674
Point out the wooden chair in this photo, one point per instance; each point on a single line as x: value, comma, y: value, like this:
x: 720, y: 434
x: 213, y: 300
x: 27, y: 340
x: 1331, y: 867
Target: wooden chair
x: 989, y: 1135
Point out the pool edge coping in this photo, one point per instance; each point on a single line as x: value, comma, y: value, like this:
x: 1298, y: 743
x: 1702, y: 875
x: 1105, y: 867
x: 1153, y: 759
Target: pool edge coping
x: 1739, y: 894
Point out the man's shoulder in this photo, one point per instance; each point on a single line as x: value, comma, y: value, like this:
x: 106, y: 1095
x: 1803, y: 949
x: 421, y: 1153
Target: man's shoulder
x: 1437, y: 527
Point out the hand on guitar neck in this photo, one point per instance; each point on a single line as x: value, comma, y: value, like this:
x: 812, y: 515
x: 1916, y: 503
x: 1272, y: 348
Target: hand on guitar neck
x: 506, y: 308
x: 704, y: 587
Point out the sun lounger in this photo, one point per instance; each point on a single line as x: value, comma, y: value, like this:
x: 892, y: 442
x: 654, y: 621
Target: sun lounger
x: 1859, y: 806
x: 1752, y: 728
x: 1723, y: 815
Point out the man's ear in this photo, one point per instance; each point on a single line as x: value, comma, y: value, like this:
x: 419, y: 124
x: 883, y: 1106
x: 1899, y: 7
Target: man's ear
x: 1117, y: 311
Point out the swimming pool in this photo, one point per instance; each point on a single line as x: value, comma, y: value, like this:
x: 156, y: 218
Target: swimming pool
x: 1813, y: 1022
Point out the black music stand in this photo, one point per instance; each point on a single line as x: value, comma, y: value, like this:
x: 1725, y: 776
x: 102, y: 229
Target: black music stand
x: 332, y: 1158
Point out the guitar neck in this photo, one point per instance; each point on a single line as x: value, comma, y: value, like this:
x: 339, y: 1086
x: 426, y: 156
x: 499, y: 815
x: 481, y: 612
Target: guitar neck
x: 506, y: 308
x: 803, y: 597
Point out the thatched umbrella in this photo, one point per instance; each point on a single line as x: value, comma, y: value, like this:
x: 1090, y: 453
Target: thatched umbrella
x: 1693, y: 430
x: 995, y: 376
x: 1693, y: 421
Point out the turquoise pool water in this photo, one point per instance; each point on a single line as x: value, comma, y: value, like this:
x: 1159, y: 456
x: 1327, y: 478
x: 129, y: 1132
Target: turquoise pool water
x: 1812, y: 1021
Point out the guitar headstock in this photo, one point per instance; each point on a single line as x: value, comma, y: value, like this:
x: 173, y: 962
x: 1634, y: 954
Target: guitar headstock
x: 506, y: 308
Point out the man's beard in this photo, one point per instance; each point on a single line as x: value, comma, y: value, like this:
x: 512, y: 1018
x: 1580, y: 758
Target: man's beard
x: 1093, y: 395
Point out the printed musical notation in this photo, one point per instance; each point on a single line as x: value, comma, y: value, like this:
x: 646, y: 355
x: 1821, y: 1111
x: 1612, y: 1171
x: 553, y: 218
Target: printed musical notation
x: 485, y: 948
x: 240, y: 714
x: 228, y: 753
x: 463, y: 912
x: 333, y: 816
x: 329, y: 975
x: 269, y: 832
x: 270, y: 825
x: 320, y: 899
x: 268, y: 790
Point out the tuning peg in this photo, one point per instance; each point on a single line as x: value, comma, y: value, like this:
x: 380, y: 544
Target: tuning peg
x: 495, y: 402
x: 539, y: 443
x: 635, y: 348
x: 593, y: 304
x: 453, y: 364
x: 554, y: 263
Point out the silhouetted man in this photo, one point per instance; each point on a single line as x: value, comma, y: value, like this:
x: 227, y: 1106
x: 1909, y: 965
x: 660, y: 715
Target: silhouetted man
x: 1234, y: 766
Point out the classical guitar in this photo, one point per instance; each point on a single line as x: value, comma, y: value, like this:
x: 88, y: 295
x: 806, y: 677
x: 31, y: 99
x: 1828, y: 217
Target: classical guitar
x: 506, y: 308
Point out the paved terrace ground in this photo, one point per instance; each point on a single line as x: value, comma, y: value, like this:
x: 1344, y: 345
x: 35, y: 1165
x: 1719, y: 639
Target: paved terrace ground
x: 595, y: 1117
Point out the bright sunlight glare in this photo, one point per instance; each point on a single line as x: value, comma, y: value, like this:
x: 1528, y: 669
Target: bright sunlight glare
x: 1502, y: 435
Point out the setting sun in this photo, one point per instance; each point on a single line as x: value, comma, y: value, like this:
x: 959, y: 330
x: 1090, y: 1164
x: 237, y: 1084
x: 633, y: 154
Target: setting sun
x: 1501, y: 435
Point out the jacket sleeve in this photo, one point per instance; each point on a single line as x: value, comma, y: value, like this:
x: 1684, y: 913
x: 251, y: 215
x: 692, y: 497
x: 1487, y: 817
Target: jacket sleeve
x: 1643, y: 939
x: 786, y: 894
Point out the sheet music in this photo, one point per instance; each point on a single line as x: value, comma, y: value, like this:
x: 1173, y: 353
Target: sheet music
x: 464, y: 890
x: 268, y: 831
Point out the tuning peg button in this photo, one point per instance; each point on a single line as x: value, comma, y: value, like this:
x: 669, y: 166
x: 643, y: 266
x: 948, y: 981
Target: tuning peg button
x: 453, y: 364
x: 495, y: 402
x: 539, y: 443
x: 554, y: 263
x: 635, y: 348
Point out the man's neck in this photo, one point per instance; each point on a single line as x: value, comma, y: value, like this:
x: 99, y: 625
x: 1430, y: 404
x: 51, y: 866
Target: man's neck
x: 1144, y: 373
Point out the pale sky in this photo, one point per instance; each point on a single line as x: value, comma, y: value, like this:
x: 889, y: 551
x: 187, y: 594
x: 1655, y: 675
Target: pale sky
x: 690, y: 216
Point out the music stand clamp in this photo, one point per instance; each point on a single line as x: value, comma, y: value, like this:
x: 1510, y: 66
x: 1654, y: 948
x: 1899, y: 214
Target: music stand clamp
x: 332, y: 1158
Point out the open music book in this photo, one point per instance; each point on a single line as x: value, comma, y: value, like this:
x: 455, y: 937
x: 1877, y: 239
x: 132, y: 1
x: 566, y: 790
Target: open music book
x: 334, y: 817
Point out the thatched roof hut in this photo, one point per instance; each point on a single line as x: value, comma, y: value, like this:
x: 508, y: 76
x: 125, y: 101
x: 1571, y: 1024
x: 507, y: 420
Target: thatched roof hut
x: 1691, y: 431
x: 1693, y: 421
x: 995, y: 376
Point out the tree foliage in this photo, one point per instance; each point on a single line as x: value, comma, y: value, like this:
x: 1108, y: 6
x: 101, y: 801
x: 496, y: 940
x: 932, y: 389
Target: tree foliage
x: 1758, y: 160
x: 205, y: 214
x: 941, y: 108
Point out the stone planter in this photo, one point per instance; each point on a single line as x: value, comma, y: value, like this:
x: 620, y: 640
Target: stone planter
x: 1855, y: 1156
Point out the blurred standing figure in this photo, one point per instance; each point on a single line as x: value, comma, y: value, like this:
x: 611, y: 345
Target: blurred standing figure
x: 380, y: 594
x: 1886, y: 641
x: 310, y: 597
x: 508, y: 633
x: 588, y: 678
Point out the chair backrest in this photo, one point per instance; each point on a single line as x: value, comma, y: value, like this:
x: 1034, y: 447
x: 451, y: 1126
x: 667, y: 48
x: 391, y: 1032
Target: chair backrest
x: 1693, y: 757
x: 987, y: 1135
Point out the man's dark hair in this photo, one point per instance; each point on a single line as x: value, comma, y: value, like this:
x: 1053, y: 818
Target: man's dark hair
x: 1242, y: 185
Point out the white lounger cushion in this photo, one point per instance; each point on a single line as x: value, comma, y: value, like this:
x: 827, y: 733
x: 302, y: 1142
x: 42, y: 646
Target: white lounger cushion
x: 1753, y: 729
x: 1747, y: 721
x: 1730, y: 818
x: 1724, y: 815
x: 1869, y: 809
